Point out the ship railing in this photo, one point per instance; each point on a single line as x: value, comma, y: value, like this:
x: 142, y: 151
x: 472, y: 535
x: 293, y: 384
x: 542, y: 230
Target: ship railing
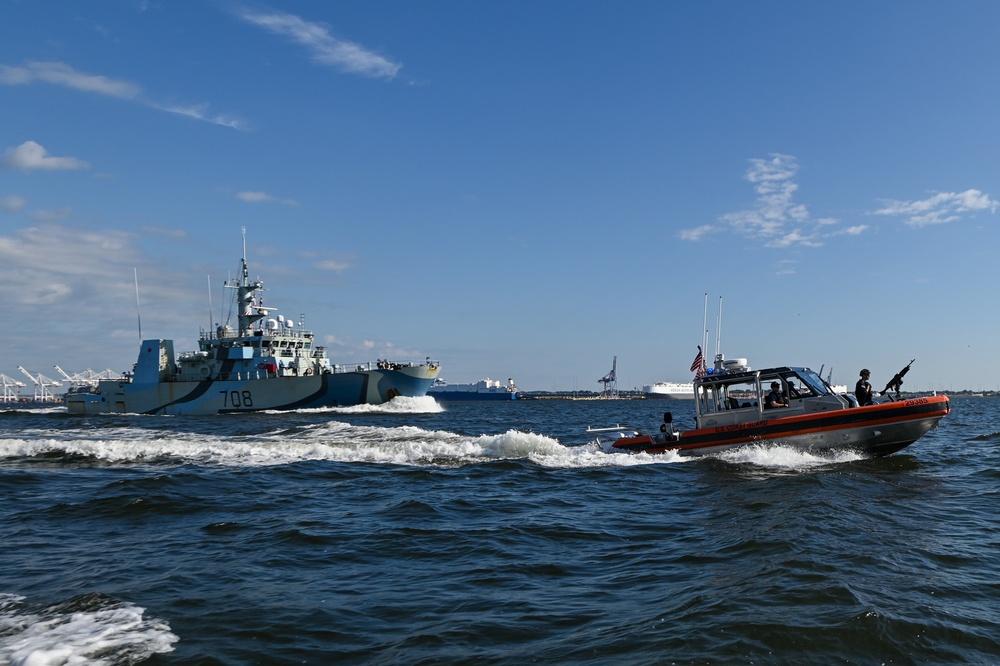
x: 366, y: 366
x: 281, y: 333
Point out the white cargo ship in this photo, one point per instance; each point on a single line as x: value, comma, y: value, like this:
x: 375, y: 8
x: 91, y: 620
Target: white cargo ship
x: 484, y: 389
x: 669, y: 391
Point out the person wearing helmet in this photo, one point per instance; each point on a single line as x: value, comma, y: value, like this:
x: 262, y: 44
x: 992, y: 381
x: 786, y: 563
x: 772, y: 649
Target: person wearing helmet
x: 863, y: 389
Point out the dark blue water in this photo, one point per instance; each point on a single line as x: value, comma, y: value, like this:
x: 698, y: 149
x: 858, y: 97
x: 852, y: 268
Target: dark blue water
x: 488, y: 533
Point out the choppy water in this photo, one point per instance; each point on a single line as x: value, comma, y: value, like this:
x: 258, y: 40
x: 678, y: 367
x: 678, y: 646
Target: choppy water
x: 487, y: 533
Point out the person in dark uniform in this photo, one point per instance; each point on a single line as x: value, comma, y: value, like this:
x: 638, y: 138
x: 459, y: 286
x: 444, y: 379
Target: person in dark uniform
x: 774, y: 398
x: 863, y: 390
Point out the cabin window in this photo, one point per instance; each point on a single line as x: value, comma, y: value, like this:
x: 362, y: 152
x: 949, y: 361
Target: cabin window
x: 741, y: 395
x: 708, y: 399
x: 809, y: 384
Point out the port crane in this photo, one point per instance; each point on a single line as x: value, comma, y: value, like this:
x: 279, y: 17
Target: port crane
x: 43, y: 385
x: 10, y: 387
x: 610, y: 381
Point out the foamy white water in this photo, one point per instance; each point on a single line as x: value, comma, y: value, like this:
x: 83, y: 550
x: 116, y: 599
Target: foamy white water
x: 93, y: 631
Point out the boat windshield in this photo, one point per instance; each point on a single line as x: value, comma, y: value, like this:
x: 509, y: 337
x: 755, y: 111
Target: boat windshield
x: 813, y: 381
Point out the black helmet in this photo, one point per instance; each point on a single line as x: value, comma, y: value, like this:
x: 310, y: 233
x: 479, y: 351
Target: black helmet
x: 864, y: 371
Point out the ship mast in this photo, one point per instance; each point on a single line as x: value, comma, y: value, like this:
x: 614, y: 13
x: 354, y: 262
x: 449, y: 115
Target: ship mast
x: 246, y: 292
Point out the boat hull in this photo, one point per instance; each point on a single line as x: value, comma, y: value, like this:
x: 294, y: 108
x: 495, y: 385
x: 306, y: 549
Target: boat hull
x: 217, y: 396
x: 876, y: 430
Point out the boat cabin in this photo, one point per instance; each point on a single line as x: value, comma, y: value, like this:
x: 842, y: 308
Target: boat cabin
x: 733, y: 397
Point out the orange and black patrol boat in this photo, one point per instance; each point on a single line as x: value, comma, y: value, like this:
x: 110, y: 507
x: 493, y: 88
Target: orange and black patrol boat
x: 789, y: 406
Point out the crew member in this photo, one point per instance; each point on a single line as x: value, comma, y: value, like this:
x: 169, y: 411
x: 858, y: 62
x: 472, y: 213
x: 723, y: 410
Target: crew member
x: 863, y: 389
x: 774, y: 398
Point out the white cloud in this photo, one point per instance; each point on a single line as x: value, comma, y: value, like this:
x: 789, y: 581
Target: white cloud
x: 697, y: 233
x: 786, y: 267
x: 77, y: 284
x: 775, y: 218
x: 31, y: 156
x: 332, y: 265
x: 264, y: 197
x: 61, y: 74
x: 324, y: 47
x: 775, y: 209
x: 200, y: 112
x: 173, y: 234
x: 794, y: 237
x: 941, y: 208
x: 46, y: 216
x: 13, y: 203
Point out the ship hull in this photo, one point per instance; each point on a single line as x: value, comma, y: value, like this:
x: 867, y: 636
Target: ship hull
x: 217, y: 396
x: 668, y: 391
x: 877, y: 430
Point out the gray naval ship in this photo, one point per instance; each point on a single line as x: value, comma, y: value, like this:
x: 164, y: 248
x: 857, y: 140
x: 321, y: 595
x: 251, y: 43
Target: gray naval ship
x: 270, y: 363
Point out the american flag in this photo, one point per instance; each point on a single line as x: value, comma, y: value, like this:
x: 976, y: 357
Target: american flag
x: 698, y: 366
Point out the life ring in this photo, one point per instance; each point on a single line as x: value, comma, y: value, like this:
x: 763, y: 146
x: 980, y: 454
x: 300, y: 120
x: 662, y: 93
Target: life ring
x: 663, y: 427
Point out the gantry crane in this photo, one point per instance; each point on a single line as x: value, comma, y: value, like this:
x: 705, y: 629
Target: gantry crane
x: 42, y: 384
x: 610, y: 381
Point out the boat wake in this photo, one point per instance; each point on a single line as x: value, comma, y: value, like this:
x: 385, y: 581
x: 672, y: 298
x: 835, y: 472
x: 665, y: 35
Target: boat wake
x: 87, y: 629
x: 786, y: 457
x: 398, y: 405
x: 331, y: 440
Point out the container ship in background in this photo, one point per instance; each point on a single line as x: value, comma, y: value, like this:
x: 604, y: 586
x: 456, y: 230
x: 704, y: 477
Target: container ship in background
x: 484, y: 389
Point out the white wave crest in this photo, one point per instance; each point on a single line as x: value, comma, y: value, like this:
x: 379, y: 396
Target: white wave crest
x: 329, y: 440
x: 398, y: 405
x: 781, y: 456
x: 108, y: 633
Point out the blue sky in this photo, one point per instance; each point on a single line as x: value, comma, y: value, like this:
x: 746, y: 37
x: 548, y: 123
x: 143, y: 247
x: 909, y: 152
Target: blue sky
x: 517, y: 189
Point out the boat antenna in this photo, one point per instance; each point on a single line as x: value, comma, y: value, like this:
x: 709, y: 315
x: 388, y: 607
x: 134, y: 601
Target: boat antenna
x: 138, y: 315
x: 704, y: 326
x: 718, y: 332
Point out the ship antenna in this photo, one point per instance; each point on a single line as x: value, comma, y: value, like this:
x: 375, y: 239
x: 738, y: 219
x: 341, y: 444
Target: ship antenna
x: 704, y: 326
x: 246, y: 272
x: 209, y: 304
x: 138, y: 315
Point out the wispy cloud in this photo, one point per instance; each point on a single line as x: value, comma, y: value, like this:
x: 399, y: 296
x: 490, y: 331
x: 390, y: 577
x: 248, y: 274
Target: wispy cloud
x: 51, y: 215
x: 53, y: 270
x: 12, y: 203
x: 323, y: 46
x: 61, y: 74
x: 264, y: 197
x: 940, y: 208
x: 31, y: 156
x: 697, y: 233
x: 332, y: 265
x: 775, y: 217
